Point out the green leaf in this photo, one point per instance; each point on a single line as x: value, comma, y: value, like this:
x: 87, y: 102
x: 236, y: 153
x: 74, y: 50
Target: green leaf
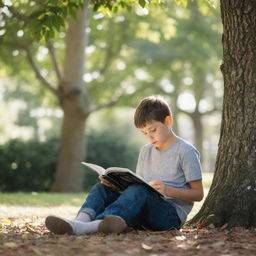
x: 49, y: 34
x: 142, y: 3
x: 115, y: 9
x: 72, y: 12
x: 37, y: 34
x: 64, y: 12
x: 129, y: 8
x: 55, y: 10
x: 61, y: 21
x: 183, y: 3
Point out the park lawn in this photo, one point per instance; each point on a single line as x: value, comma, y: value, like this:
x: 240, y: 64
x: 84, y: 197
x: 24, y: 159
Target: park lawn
x: 43, y: 203
x: 22, y: 232
x: 44, y: 199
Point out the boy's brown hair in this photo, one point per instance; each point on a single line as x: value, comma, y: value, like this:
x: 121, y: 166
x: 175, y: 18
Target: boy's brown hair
x: 151, y: 108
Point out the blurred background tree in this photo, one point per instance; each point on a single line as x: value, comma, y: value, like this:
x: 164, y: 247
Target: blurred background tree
x: 123, y: 57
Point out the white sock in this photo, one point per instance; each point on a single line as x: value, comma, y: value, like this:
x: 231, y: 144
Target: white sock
x: 80, y: 227
x: 83, y: 216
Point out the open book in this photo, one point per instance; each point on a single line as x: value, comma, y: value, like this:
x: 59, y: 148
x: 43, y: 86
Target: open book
x: 120, y: 177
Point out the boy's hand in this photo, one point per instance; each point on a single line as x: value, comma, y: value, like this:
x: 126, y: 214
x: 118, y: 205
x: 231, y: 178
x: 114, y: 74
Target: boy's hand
x: 106, y: 183
x: 158, y: 185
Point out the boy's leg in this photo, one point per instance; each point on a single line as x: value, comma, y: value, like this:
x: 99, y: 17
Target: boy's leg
x: 83, y: 216
x: 99, y: 197
x: 62, y: 226
x: 138, y: 204
x: 159, y: 215
x: 129, y: 204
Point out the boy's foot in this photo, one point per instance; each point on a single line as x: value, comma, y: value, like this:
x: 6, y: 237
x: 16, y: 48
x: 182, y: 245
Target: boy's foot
x: 58, y: 225
x: 112, y: 224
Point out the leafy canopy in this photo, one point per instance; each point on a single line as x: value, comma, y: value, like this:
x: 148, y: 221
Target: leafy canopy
x: 42, y: 19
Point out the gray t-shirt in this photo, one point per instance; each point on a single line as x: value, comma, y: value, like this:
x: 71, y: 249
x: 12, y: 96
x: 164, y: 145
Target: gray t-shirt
x: 175, y: 166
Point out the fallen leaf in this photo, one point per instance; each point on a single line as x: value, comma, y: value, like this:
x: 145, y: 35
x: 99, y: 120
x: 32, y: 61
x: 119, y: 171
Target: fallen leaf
x: 6, y: 222
x: 11, y: 245
x: 211, y: 225
x: 146, y: 247
x: 224, y: 226
x: 184, y: 246
x: 37, y: 252
x: 218, y: 244
x: 180, y: 238
x: 200, y: 226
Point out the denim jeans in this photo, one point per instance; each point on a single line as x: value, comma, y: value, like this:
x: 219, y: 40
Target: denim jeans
x: 137, y: 205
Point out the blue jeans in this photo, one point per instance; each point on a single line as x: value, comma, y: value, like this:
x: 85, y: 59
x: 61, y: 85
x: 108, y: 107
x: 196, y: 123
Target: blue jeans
x: 137, y: 205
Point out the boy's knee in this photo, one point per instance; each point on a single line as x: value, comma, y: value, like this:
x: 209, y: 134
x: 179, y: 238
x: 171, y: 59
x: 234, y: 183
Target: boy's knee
x: 138, y: 188
x: 98, y: 187
x: 103, y: 188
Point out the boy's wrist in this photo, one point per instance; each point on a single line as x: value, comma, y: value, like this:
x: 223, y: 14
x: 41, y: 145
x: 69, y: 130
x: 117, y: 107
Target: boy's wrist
x: 165, y: 192
x: 168, y: 191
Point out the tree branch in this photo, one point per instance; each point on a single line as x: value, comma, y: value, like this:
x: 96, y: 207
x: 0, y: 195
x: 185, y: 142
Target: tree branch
x: 201, y: 113
x: 210, y: 111
x: 40, y: 77
x: 184, y: 111
x: 105, y: 105
x: 108, y: 57
x: 54, y: 60
x: 112, y: 50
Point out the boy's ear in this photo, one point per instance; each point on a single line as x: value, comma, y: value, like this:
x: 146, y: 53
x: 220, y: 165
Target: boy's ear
x: 168, y: 120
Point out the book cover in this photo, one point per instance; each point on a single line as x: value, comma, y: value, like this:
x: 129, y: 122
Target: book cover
x: 120, y: 177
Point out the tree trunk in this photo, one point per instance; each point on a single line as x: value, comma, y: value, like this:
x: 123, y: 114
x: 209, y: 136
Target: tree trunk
x: 198, y: 131
x: 232, y: 196
x: 74, y: 101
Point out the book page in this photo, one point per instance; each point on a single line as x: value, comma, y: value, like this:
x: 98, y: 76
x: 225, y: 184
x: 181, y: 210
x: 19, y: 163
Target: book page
x: 100, y: 170
x: 120, y: 177
x: 117, y: 169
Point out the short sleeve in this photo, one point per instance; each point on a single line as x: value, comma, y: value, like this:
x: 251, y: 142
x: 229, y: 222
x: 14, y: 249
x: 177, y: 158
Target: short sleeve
x: 139, y: 168
x: 191, y: 165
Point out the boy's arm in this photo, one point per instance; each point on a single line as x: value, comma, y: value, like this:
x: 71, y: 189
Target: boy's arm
x: 195, y: 193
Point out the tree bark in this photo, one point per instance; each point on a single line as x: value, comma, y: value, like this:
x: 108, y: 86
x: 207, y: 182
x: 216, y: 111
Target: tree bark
x: 232, y: 196
x: 74, y: 101
x: 196, y: 117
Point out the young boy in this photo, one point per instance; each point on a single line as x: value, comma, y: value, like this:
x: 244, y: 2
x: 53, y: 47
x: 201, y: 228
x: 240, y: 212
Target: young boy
x: 167, y: 163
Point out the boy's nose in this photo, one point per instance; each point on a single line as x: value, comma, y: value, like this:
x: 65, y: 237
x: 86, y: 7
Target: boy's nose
x: 150, y: 137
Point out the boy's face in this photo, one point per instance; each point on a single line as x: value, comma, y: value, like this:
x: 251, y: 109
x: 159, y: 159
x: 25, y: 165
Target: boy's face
x: 157, y: 133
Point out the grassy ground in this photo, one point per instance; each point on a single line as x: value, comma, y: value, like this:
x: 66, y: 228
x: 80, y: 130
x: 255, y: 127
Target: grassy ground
x: 22, y: 232
x: 57, y: 202
x: 42, y: 199
x: 62, y: 199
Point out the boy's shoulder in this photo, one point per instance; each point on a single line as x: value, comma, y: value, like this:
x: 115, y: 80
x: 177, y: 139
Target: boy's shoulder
x: 180, y: 145
x: 185, y: 146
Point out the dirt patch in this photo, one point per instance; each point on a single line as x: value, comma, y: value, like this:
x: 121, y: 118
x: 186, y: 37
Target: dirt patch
x: 22, y: 232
